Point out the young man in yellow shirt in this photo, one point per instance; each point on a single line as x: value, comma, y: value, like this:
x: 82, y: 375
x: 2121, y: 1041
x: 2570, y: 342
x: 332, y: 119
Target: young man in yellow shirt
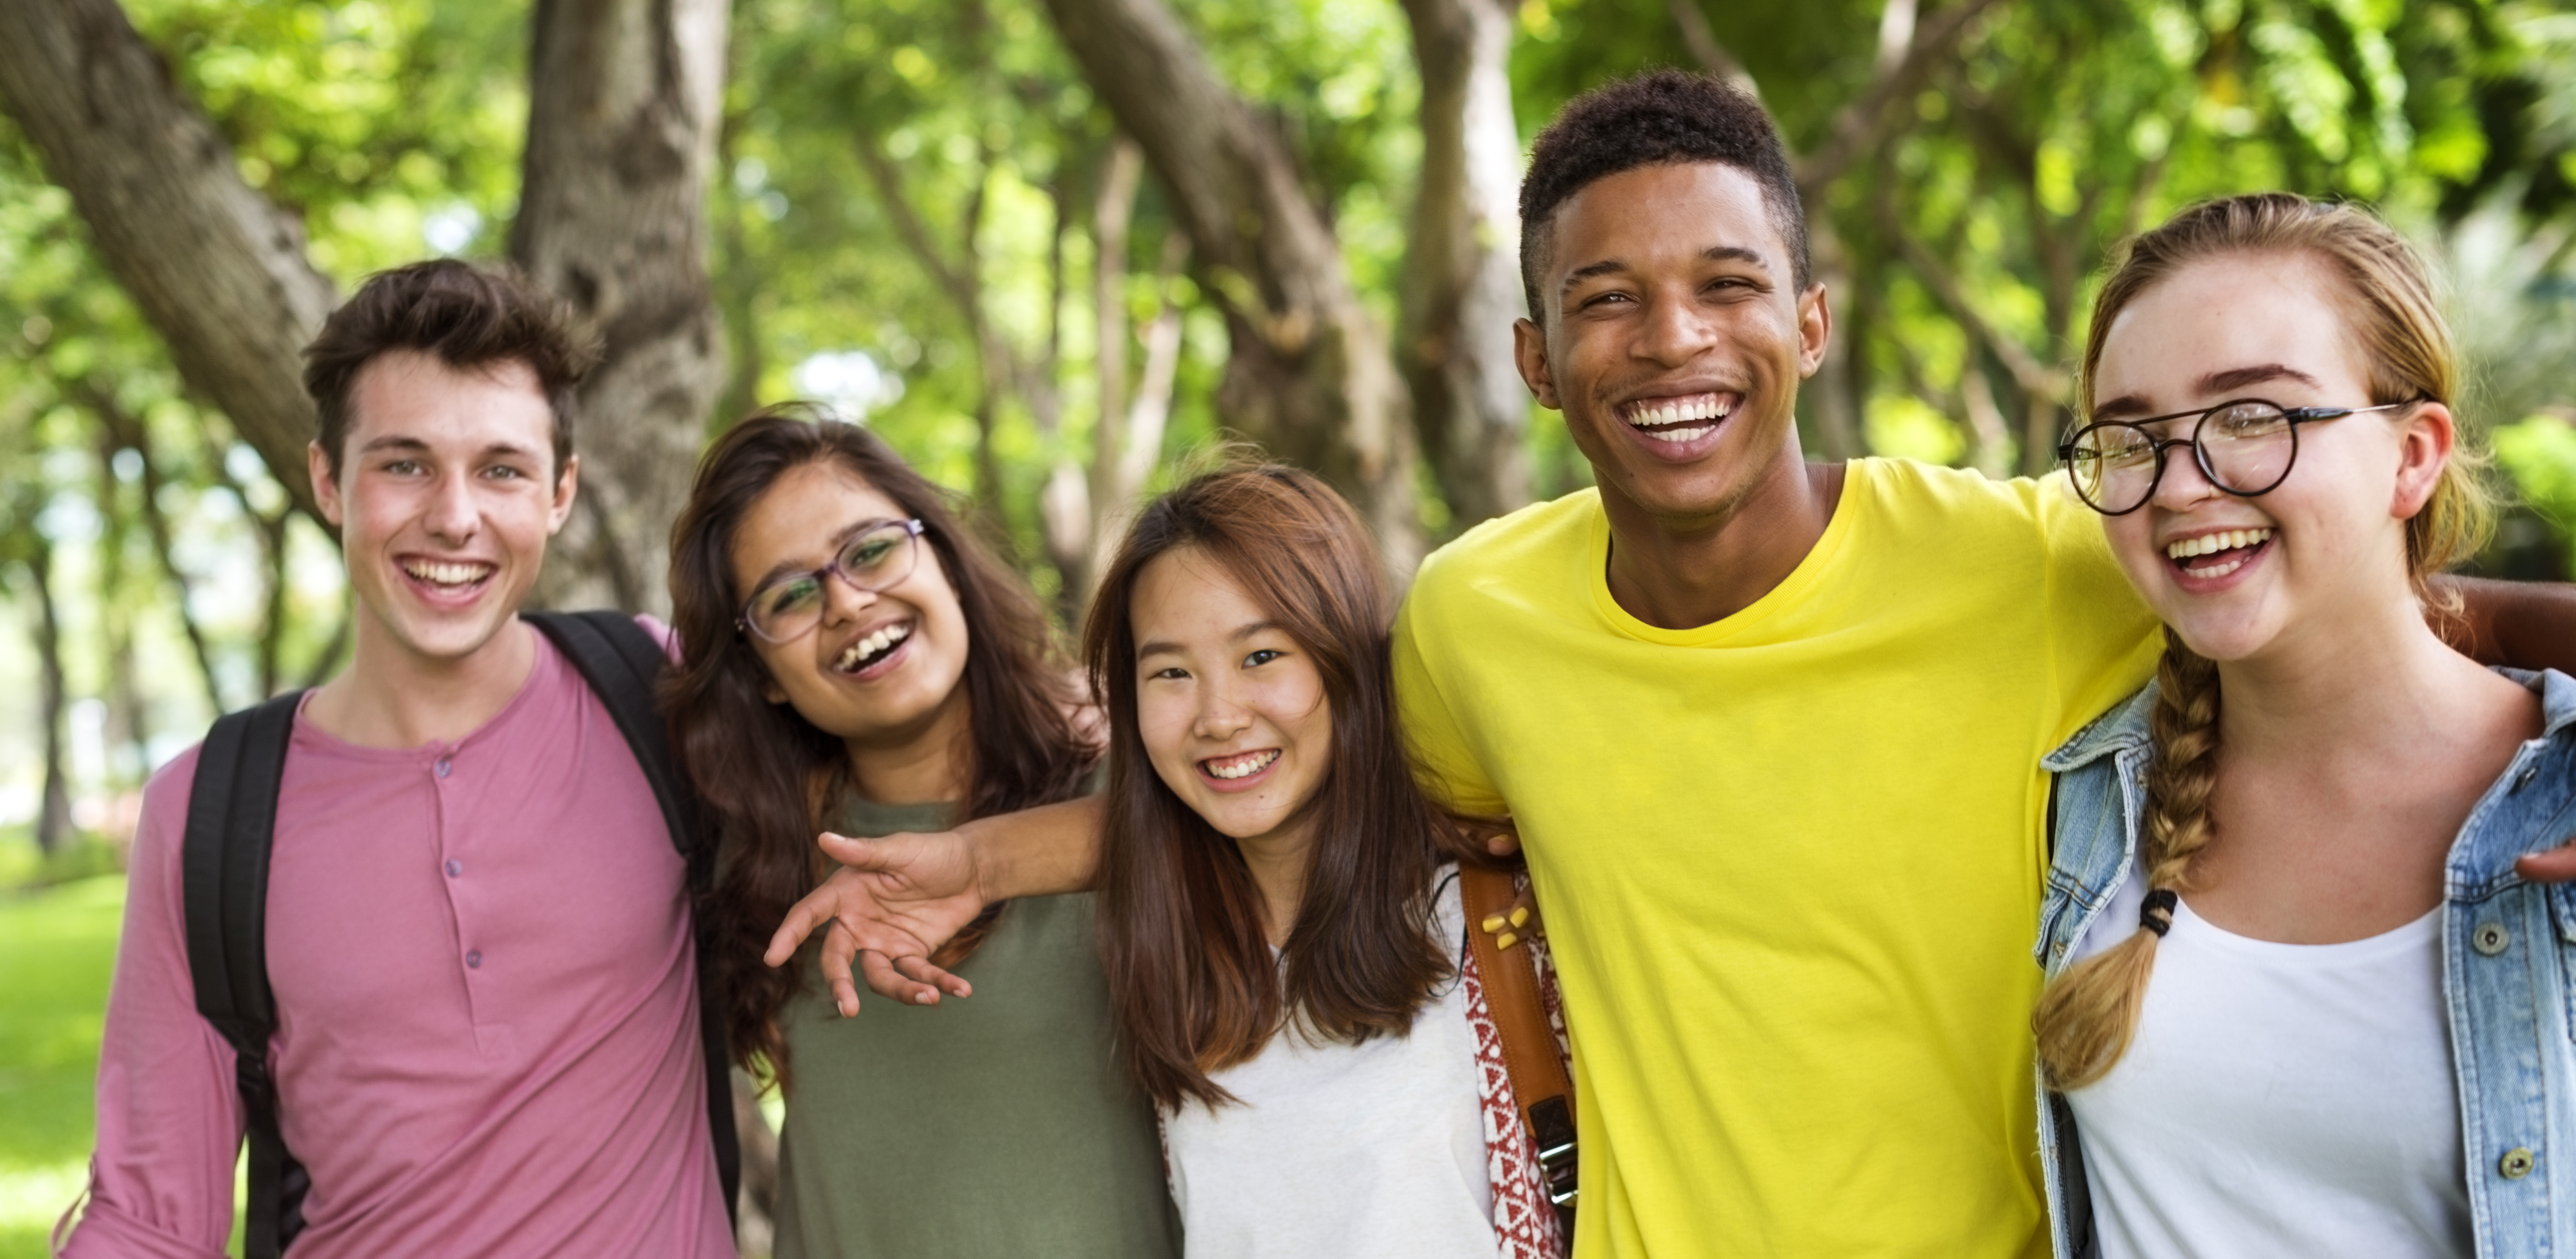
x: 1770, y: 731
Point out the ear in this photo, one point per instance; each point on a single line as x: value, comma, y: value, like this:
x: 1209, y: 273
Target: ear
x: 1815, y: 329
x: 566, y: 483
x: 2424, y: 442
x: 326, y: 488
x: 1529, y: 354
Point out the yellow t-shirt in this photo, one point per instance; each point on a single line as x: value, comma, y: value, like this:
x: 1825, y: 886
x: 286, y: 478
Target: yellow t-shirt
x: 1790, y: 862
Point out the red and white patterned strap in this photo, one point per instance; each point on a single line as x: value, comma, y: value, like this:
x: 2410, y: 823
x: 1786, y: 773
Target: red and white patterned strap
x: 1525, y: 1224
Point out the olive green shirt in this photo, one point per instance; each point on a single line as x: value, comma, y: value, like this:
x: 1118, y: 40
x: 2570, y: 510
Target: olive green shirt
x: 988, y: 1128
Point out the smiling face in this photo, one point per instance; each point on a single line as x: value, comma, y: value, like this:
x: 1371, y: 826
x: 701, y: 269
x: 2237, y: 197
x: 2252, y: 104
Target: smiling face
x: 1231, y: 710
x: 1675, y: 336
x: 445, y: 496
x: 2238, y: 576
x: 877, y: 669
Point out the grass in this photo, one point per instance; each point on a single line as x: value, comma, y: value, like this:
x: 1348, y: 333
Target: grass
x: 57, y: 948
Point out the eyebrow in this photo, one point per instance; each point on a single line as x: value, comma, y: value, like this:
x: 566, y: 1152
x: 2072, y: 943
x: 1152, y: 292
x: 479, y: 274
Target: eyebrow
x: 1241, y: 632
x: 416, y: 445
x: 1714, y: 253
x: 2240, y: 377
x: 2129, y: 405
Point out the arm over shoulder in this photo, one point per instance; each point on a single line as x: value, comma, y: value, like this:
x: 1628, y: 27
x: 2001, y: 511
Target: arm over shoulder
x: 169, y: 1120
x: 2103, y: 641
x: 1444, y: 758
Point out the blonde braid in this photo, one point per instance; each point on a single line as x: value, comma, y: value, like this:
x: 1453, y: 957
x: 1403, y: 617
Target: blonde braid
x: 2088, y: 1016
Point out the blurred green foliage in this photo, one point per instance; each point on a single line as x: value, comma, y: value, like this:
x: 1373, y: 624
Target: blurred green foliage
x: 1968, y: 232
x: 56, y: 949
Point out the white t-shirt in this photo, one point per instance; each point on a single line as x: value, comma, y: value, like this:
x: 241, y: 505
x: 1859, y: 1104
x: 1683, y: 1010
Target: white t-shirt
x: 2280, y: 1099
x: 1344, y: 1151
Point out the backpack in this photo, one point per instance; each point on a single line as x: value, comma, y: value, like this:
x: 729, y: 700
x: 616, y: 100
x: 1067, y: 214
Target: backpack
x: 232, y: 819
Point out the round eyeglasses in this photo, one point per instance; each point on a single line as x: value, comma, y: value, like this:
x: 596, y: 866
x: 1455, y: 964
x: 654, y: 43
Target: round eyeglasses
x: 875, y: 555
x: 2244, y: 447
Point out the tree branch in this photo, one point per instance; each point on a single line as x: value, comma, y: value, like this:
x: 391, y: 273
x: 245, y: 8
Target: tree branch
x: 1310, y: 375
x: 127, y: 430
x: 959, y: 287
x: 1858, y: 127
x: 2034, y: 377
x: 215, y: 268
x: 1705, y: 49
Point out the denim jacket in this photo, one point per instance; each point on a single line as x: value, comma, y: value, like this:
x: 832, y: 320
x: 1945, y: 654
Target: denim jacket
x: 2507, y: 951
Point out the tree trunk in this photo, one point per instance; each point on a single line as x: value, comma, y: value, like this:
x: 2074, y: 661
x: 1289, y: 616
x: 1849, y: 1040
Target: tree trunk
x: 1127, y: 438
x: 121, y: 728
x: 1462, y: 285
x: 216, y: 269
x: 1310, y: 376
x: 54, y: 814
x: 1837, y: 404
x: 126, y: 430
x: 624, y: 107
x: 1064, y: 502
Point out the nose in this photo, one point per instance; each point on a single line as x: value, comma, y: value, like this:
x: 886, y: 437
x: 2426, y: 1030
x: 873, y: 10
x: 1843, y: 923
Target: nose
x: 2183, y: 484
x: 1676, y: 330
x: 453, y: 516
x: 843, y: 602
x: 1221, y: 714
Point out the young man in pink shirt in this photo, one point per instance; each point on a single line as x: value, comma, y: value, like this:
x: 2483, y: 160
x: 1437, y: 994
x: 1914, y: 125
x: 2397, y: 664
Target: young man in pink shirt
x: 478, y: 931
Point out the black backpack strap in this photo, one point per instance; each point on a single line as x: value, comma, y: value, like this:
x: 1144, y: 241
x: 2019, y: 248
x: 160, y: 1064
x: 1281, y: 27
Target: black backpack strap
x: 622, y: 663
x: 232, y: 818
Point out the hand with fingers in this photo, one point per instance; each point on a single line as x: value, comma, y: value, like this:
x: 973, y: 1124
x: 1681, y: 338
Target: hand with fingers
x: 1481, y: 841
x: 1516, y: 924
x: 891, y: 904
x: 2556, y: 865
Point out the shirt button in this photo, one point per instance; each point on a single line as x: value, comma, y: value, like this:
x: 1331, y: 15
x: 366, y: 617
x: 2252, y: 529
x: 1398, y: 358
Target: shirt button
x: 455, y: 868
x: 443, y: 763
x: 2517, y: 1163
x: 474, y: 960
x: 2490, y: 938
x: 2524, y: 778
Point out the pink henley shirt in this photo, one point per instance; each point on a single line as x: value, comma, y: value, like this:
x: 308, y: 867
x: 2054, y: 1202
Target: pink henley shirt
x: 488, y: 1038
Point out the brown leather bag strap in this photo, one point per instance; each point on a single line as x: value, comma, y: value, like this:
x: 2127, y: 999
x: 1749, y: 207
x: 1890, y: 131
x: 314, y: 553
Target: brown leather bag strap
x: 1541, y: 1089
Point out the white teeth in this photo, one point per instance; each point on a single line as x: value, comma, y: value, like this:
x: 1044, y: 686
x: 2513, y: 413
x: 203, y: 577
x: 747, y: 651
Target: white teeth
x: 1242, y: 766
x: 1677, y: 436
x: 447, y: 574
x: 872, y: 646
x: 1680, y: 411
x: 2212, y: 543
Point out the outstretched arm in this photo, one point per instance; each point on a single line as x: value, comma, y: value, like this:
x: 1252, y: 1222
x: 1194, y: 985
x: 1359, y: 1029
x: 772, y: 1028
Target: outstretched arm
x: 2524, y: 624
x: 895, y: 900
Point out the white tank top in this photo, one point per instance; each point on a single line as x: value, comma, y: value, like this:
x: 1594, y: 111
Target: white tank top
x: 2280, y: 1099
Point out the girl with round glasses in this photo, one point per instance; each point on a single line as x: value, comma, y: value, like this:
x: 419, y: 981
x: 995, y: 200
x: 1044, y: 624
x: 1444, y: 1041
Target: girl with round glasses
x: 855, y: 661
x: 2300, y: 1001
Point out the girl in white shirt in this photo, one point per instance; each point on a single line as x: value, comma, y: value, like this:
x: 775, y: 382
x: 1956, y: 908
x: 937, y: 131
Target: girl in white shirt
x: 2301, y: 1001
x: 1283, y: 942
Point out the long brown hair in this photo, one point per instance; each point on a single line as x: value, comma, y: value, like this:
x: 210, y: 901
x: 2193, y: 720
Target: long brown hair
x: 1192, y: 977
x: 2088, y: 1016
x: 766, y: 772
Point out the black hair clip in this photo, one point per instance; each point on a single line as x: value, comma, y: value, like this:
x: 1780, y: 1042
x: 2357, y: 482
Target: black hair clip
x: 2157, y: 914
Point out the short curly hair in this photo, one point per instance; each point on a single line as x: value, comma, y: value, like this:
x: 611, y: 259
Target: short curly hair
x: 1659, y: 117
x: 469, y: 317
